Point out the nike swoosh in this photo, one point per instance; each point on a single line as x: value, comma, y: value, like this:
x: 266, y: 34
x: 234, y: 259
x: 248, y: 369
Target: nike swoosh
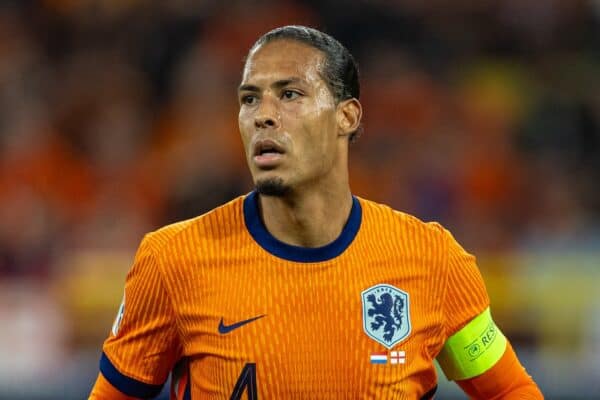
x: 223, y: 329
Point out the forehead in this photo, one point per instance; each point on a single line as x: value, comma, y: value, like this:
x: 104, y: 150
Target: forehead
x: 284, y: 58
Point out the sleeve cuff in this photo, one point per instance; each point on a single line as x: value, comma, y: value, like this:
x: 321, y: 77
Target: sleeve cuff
x: 125, y: 384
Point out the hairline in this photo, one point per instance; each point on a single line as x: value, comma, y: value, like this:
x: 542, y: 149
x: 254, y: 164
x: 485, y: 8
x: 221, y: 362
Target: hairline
x: 321, y: 66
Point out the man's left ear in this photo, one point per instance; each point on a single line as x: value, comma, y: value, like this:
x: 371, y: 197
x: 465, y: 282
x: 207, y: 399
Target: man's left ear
x: 349, y: 114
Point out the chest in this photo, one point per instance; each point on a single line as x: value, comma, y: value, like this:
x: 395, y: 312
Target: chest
x: 326, y: 330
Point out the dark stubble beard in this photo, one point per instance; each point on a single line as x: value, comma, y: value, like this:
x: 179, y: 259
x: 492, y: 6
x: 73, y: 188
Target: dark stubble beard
x: 272, y: 187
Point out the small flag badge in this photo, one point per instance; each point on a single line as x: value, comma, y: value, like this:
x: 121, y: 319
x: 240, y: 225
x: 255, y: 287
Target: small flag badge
x: 379, y: 358
x: 397, y: 357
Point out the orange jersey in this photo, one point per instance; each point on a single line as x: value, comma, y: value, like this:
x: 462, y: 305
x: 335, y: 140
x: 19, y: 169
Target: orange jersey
x: 238, y: 314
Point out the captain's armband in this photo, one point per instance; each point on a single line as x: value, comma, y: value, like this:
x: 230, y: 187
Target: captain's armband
x: 472, y: 350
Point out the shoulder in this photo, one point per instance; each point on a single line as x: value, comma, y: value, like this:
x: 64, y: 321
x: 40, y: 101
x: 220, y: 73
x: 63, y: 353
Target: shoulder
x: 385, y: 218
x: 211, y: 225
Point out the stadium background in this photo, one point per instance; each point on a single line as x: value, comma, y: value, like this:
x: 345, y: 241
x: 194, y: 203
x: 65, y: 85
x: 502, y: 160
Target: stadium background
x: 119, y: 116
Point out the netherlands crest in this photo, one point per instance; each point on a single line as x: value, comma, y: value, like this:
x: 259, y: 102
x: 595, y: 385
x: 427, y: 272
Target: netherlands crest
x: 386, y: 316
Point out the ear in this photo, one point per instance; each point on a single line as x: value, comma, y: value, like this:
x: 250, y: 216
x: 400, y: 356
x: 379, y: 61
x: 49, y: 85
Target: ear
x: 349, y: 114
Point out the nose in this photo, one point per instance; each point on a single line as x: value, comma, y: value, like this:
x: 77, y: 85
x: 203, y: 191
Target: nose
x: 267, y: 115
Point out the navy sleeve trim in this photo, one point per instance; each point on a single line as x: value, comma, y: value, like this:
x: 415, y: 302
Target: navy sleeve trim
x: 188, y: 391
x: 125, y: 384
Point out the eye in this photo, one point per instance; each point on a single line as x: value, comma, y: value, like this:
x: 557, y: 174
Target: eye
x: 290, y: 94
x: 249, y: 99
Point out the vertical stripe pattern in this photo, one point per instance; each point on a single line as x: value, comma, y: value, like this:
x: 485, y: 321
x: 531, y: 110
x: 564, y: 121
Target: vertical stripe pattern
x: 190, y: 277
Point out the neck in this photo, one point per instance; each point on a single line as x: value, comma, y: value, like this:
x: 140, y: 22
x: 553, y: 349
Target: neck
x: 307, y: 218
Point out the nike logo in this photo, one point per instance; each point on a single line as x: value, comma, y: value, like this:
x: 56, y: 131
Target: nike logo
x: 223, y: 329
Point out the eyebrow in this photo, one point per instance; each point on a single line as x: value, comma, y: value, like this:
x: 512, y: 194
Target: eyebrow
x: 278, y: 85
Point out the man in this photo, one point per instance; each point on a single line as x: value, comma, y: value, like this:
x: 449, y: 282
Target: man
x: 299, y: 289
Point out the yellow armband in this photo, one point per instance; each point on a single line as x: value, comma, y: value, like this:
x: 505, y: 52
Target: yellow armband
x: 472, y: 350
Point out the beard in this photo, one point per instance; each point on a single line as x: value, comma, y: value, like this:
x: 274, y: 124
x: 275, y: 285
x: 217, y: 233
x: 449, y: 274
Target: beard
x: 272, y: 187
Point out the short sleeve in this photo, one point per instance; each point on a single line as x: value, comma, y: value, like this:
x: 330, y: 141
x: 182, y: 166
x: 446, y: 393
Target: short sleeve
x: 466, y: 296
x: 144, y: 344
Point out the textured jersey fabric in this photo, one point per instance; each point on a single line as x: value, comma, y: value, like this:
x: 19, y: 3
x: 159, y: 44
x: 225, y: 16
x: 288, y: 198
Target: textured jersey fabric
x: 241, y: 314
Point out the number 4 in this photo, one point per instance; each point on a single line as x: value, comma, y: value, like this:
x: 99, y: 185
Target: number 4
x: 247, y: 379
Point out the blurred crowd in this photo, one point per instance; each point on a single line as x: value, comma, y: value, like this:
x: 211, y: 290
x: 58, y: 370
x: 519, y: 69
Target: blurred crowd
x: 117, y: 117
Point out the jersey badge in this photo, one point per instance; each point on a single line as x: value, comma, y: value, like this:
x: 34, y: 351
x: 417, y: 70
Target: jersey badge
x: 119, y: 318
x: 386, y: 314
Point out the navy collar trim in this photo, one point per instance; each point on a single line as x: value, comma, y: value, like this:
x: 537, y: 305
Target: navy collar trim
x: 263, y: 237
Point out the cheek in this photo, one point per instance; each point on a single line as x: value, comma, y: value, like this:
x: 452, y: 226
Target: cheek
x: 245, y: 127
x: 243, y: 119
x: 324, y: 120
x: 318, y: 142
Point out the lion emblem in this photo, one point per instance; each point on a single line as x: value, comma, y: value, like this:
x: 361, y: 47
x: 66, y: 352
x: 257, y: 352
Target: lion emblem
x: 385, y: 314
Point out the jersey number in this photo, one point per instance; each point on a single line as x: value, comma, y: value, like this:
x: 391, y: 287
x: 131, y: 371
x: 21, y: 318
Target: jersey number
x: 247, y: 379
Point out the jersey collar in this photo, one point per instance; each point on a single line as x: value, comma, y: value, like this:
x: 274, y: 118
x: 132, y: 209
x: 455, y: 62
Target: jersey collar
x: 261, y: 235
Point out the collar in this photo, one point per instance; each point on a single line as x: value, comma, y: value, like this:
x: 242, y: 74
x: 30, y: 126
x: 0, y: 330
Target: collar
x: 289, y: 252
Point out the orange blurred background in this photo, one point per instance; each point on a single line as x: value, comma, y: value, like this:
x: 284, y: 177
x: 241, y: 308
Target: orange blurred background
x: 117, y: 117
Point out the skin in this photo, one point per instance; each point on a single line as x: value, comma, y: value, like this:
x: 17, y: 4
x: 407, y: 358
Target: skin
x: 284, y: 99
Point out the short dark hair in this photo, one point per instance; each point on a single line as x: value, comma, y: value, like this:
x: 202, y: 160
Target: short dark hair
x: 340, y: 71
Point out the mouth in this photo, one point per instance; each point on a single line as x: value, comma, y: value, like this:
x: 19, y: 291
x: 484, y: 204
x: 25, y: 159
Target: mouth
x: 267, y: 147
x: 267, y: 154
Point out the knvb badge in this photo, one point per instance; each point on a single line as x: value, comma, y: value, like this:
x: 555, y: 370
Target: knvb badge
x: 386, y: 314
